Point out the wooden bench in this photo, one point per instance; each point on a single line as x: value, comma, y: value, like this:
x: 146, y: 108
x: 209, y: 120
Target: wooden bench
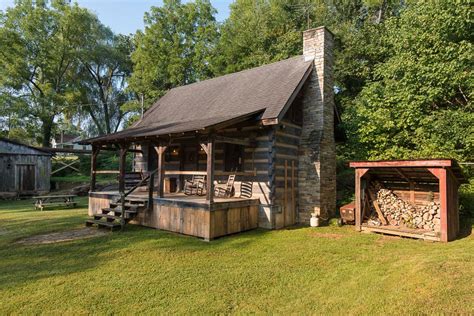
x: 54, y: 200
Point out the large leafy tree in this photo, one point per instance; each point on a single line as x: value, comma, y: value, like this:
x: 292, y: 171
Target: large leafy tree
x: 264, y: 31
x: 39, y: 41
x: 104, y: 67
x: 417, y: 101
x: 175, y: 48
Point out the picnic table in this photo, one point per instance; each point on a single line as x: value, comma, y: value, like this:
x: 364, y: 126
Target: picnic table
x: 42, y: 201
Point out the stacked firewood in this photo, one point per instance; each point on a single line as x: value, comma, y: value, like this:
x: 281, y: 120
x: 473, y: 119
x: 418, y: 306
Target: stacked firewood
x: 398, y: 212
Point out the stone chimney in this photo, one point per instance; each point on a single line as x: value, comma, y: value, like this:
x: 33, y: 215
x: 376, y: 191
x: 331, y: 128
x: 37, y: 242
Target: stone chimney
x: 317, y: 152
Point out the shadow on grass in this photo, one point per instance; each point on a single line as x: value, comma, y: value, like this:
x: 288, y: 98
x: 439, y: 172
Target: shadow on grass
x: 466, y: 226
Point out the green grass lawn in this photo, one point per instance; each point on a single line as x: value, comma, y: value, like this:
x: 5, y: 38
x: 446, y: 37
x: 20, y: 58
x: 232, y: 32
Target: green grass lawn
x: 324, y: 270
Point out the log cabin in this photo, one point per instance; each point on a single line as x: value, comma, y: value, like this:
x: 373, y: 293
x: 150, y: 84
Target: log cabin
x: 271, y: 126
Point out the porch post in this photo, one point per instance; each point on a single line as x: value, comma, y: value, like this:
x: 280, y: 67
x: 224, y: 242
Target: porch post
x: 95, y: 152
x: 151, y: 180
x: 160, y: 150
x: 122, y: 162
x: 210, y: 170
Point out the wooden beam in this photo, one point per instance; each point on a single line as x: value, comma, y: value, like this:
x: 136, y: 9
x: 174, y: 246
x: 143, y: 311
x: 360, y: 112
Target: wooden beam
x: 404, y: 176
x: 210, y: 170
x: 441, y: 174
x: 66, y: 150
x: 230, y: 140
x: 271, y: 121
x: 65, y: 165
x: 204, y: 147
x: 160, y: 150
x: 95, y: 152
x: 402, y: 163
x: 122, y: 163
x: 107, y: 172
x: 359, y: 173
x: 293, y: 205
x: 377, y: 207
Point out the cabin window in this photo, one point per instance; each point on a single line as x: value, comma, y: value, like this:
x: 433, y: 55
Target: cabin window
x: 233, y: 157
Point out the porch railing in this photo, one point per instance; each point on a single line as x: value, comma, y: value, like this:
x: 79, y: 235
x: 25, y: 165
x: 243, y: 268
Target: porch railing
x: 151, y: 179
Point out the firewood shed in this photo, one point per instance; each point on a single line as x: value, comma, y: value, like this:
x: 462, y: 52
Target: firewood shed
x: 410, y: 198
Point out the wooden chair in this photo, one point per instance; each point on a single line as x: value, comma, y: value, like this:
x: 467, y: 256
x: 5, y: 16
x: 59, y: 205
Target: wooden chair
x: 227, y: 190
x: 195, y: 186
x: 246, y: 189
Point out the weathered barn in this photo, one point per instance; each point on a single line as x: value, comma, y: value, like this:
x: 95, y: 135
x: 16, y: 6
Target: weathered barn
x: 24, y: 170
x: 271, y: 126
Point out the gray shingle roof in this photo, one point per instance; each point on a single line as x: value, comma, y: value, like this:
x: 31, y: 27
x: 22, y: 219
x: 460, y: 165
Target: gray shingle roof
x: 202, y: 104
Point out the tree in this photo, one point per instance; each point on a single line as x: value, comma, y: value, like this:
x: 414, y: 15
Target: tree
x: 175, y: 48
x: 417, y: 102
x: 39, y: 43
x: 104, y: 68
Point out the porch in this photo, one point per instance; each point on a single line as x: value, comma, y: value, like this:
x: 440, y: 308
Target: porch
x: 188, y: 215
x: 228, y: 164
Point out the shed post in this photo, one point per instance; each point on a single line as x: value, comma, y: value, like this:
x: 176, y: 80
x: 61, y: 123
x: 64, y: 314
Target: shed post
x: 95, y: 152
x: 210, y: 170
x: 359, y: 173
x: 160, y: 150
x: 441, y: 174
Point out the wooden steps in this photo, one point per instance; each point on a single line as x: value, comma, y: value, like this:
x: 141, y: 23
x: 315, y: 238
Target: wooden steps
x: 103, y: 224
x: 111, y: 217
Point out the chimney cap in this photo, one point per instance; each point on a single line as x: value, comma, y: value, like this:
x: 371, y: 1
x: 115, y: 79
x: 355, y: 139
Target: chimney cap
x: 319, y: 28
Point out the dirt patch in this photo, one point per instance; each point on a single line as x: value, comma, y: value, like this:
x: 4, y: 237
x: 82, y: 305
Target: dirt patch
x: 330, y: 236
x: 69, y: 235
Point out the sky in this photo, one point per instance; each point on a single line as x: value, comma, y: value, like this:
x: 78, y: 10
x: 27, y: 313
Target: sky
x: 126, y: 16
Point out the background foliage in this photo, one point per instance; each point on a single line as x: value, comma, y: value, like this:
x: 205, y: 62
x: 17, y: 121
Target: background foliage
x: 403, y: 69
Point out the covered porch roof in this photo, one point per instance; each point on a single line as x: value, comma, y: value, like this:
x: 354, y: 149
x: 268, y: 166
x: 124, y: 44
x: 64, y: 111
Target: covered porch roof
x: 201, y: 126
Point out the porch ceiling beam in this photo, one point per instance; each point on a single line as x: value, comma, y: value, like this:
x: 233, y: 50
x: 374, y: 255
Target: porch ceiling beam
x: 229, y: 140
x: 115, y: 149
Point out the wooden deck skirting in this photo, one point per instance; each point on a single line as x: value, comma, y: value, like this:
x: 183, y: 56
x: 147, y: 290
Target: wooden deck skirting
x: 190, y: 215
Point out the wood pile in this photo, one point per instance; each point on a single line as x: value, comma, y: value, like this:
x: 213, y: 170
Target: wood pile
x: 392, y: 210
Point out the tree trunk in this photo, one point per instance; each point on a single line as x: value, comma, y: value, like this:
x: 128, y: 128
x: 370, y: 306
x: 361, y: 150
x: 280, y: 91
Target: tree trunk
x: 47, y: 127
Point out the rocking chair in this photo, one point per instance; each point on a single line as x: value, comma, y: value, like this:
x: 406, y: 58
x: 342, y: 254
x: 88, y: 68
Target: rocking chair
x: 195, y: 186
x: 226, y: 191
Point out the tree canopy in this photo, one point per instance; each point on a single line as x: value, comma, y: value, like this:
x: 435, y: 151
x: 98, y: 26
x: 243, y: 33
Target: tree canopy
x: 402, y: 68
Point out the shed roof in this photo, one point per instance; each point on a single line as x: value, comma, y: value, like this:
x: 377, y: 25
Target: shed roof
x: 411, y: 168
x: 10, y: 149
x: 266, y: 89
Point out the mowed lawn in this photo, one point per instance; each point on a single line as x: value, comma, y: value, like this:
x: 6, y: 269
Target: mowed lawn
x: 302, y: 270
